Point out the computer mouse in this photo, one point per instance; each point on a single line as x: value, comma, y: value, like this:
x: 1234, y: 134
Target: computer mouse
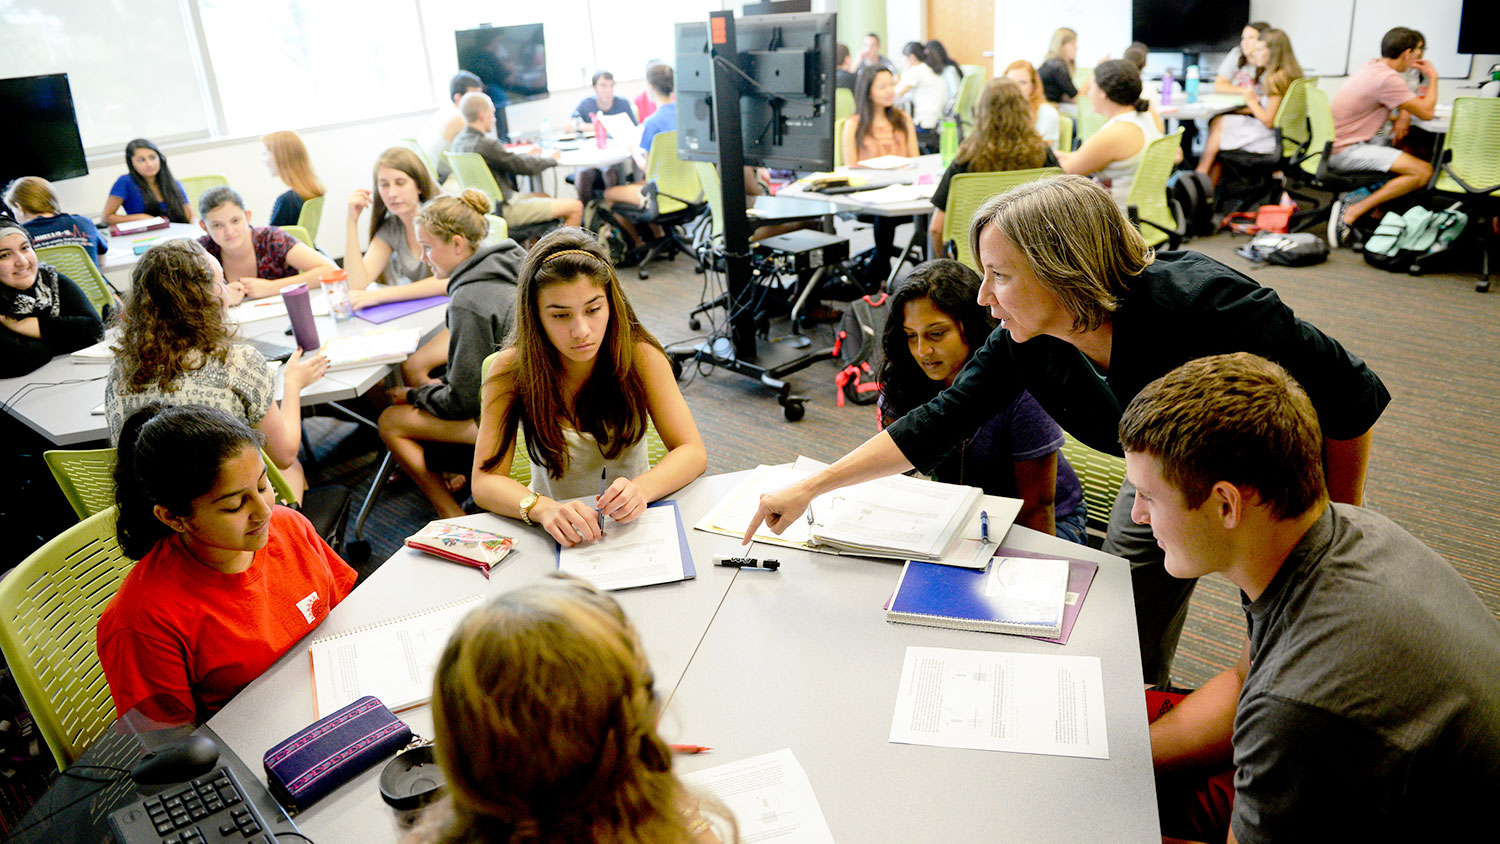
x: 188, y: 759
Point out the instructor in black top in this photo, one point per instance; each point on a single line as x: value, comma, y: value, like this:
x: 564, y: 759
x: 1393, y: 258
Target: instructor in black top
x: 1088, y: 316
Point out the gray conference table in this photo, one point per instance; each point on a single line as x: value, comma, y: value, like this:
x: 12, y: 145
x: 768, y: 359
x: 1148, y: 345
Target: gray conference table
x: 57, y: 401
x: 750, y: 662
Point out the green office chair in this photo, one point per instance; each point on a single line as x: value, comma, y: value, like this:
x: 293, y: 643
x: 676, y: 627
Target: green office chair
x: 838, y: 141
x: 473, y: 172
x: 978, y: 70
x: 301, y: 234
x: 1469, y: 169
x: 310, y: 216
x: 1064, y: 132
x: 73, y: 261
x: 520, y: 464
x: 673, y: 197
x: 1148, y: 204
x: 843, y: 104
x: 1309, y: 176
x: 49, y: 610
x: 415, y: 146
x: 86, y: 478
x: 1100, y: 475
x: 967, y: 99
x: 196, y: 186
x: 968, y: 191
x: 1089, y: 121
x: 498, y: 231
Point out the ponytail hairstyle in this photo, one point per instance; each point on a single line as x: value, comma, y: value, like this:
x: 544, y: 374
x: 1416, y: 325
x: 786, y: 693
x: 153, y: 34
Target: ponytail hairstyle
x: 865, y: 108
x: 403, y: 159
x: 952, y: 288
x: 611, y: 405
x: 1120, y: 81
x: 916, y: 48
x: 545, y: 724
x: 461, y: 215
x: 169, y: 456
x: 293, y: 165
x: 166, y: 185
x: 938, y: 59
x: 173, y: 319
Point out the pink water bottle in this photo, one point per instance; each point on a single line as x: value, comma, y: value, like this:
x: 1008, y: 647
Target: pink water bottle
x: 599, y: 132
x: 1166, y: 87
x: 299, y: 310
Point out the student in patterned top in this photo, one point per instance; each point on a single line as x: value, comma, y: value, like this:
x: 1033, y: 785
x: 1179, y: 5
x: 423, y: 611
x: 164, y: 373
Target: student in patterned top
x: 227, y: 581
x: 38, y: 209
x: 147, y: 189
x: 178, y: 347
x: 257, y: 261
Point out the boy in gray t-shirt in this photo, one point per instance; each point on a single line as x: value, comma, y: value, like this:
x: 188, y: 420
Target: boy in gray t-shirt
x: 1366, y: 705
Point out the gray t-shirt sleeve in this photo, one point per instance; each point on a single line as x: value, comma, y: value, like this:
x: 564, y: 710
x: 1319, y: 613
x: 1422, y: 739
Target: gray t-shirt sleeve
x: 403, y: 267
x: 1230, y: 64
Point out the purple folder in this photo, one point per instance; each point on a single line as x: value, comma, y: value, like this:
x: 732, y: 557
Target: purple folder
x: 1080, y: 578
x: 396, y: 310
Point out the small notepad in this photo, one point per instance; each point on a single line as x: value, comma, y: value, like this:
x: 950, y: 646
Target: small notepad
x: 1018, y: 595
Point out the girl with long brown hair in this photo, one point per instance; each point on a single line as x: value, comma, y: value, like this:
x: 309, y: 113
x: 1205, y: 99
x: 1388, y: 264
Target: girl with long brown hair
x: 148, y: 188
x: 877, y: 128
x: 581, y: 380
x: 1252, y: 131
x: 394, y: 258
x: 1003, y: 139
x: 1044, y: 115
x: 545, y: 726
x: 178, y: 347
x: 1056, y: 71
x: 287, y: 159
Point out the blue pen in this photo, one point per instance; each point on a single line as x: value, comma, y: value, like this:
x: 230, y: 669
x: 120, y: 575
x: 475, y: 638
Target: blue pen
x: 984, y: 527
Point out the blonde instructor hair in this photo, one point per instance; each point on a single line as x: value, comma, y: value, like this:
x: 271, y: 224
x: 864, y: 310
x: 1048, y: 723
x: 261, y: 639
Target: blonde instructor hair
x: 1075, y: 239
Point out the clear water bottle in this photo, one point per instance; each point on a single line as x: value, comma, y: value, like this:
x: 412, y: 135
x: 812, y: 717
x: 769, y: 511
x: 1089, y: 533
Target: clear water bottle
x: 948, y: 141
x: 1190, y: 87
x: 1166, y: 87
x: 336, y: 289
x: 546, y: 133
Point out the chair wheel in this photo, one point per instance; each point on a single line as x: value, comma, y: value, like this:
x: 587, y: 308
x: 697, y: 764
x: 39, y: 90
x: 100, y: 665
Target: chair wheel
x: 1483, y: 286
x: 793, y: 411
x: 643, y: 274
x: 695, y: 324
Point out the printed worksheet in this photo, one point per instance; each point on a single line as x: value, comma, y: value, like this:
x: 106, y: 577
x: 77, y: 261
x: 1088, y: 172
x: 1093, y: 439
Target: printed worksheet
x: 642, y: 552
x: 770, y: 796
x: 991, y: 700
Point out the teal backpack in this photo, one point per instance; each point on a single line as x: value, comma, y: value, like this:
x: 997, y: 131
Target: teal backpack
x: 1400, y: 241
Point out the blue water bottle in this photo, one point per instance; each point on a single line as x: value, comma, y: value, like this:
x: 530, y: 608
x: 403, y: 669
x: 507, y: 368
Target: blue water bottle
x: 1190, y: 87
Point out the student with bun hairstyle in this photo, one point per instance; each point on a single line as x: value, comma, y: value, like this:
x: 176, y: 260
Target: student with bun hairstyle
x: 1111, y: 154
x: 582, y: 379
x: 227, y: 580
x: 286, y: 157
x: 147, y: 189
x: 37, y: 208
x: 544, y: 715
x: 258, y: 261
x: 482, y: 281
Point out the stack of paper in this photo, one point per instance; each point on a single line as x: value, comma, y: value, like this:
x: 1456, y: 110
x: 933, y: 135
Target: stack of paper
x: 887, y: 162
x: 649, y: 550
x: 369, y: 349
x: 770, y: 797
x: 895, y: 194
x: 270, y: 307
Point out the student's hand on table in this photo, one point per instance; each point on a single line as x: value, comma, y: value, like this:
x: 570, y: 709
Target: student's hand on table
x: 299, y: 373
x: 234, y: 293
x: 623, y: 501
x: 258, y: 288
x: 569, y: 523
x: 779, y: 509
x: 359, y: 200
x: 367, y: 298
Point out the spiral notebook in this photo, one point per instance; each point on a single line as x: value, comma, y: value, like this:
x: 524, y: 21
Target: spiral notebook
x: 394, y: 659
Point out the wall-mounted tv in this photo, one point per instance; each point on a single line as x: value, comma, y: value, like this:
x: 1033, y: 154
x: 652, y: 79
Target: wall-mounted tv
x: 44, y: 138
x: 1188, y: 26
x: 511, y: 60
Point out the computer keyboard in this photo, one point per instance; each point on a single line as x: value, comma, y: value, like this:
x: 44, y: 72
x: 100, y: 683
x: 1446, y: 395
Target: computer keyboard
x: 212, y: 809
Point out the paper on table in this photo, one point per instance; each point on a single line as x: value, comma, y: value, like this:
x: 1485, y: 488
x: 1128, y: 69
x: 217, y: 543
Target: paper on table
x: 893, y: 194
x: 733, y: 514
x: 1029, y: 588
x: 642, y: 552
x: 886, y: 162
x: 770, y: 797
x: 270, y: 307
x: 622, y: 128
x: 991, y: 700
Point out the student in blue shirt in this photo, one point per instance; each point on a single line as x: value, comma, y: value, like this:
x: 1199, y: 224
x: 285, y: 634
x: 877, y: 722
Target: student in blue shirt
x: 661, y: 86
x: 603, y: 101
x: 38, y: 209
x: 147, y: 190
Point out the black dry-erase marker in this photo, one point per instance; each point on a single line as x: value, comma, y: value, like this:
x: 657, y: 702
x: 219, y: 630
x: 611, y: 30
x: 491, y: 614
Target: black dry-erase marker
x: 746, y: 563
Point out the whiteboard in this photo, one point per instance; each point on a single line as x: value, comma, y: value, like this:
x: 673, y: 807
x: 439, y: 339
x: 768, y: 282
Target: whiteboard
x: 1319, y: 31
x: 1437, y: 20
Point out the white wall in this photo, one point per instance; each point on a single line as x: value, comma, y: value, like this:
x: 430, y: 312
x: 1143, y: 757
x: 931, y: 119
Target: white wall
x: 905, y: 20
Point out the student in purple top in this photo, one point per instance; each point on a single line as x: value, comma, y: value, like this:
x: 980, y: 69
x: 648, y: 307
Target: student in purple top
x: 38, y: 209
x: 147, y: 190
x: 257, y: 261
x: 934, y: 327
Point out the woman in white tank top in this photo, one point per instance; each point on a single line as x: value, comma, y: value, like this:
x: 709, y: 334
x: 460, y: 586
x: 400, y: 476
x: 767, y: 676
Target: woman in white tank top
x: 1112, y: 154
x: 582, y: 379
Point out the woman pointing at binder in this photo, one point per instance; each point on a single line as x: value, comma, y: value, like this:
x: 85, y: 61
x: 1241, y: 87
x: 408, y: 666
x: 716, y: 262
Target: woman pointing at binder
x: 1088, y: 316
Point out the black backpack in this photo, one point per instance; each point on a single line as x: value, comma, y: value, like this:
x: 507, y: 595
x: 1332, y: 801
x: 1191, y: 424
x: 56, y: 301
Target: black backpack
x: 857, y: 349
x: 1194, y: 192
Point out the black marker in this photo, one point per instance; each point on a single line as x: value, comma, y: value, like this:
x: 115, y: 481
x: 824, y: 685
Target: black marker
x: 747, y: 563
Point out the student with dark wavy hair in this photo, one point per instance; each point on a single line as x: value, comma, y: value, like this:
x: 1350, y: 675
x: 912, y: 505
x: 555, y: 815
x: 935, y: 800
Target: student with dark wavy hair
x: 544, y: 716
x: 147, y: 189
x: 178, y: 347
x: 936, y: 325
x: 227, y: 580
x: 581, y: 379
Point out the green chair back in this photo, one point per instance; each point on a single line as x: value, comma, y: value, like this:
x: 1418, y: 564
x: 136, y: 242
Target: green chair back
x: 1148, y: 193
x: 968, y: 191
x: 86, y: 478
x: 302, y: 235
x: 968, y: 98
x: 1100, y: 475
x: 1089, y: 121
x: 1471, y: 140
x: 284, y: 492
x: 1291, y: 116
x: 978, y: 70
x: 310, y: 216
x: 49, y: 610
x: 499, y: 229
x: 197, y: 185
x: 1064, y: 132
x: 73, y: 261
x: 843, y: 104
x: 676, y: 179
x: 1320, y: 126
x: 838, y: 141
x: 472, y: 172
x: 416, y: 146
x: 713, y: 193
x: 1081, y: 77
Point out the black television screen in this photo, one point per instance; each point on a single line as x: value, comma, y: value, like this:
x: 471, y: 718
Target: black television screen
x: 1189, y: 26
x: 46, y: 142
x: 1479, y: 28
x: 511, y: 60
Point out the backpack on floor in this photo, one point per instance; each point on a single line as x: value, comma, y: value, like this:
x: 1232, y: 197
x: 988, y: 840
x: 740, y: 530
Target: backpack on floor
x: 1297, y: 249
x: 1194, y: 191
x: 1400, y: 241
x: 598, y: 219
x: 856, y: 347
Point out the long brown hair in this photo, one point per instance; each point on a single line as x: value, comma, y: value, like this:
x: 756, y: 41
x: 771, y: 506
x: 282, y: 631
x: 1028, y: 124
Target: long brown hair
x: 1038, y: 95
x: 403, y: 159
x: 293, y: 164
x: 1282, y: 67
x: 866, y: 108
x: 1004, y: 136
x: 173, y: 320
x: 611, y: 406
x: 545, y: 725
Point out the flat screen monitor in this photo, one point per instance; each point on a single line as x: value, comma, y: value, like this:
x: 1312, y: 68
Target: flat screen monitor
x: 1479, y: 27
x: 46, y: 143
x: 786, y: 112
x: 510, y: 60
x: 1189, y: 26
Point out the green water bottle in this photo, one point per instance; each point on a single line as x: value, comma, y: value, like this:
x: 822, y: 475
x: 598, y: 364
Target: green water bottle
x: 948, y: 141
